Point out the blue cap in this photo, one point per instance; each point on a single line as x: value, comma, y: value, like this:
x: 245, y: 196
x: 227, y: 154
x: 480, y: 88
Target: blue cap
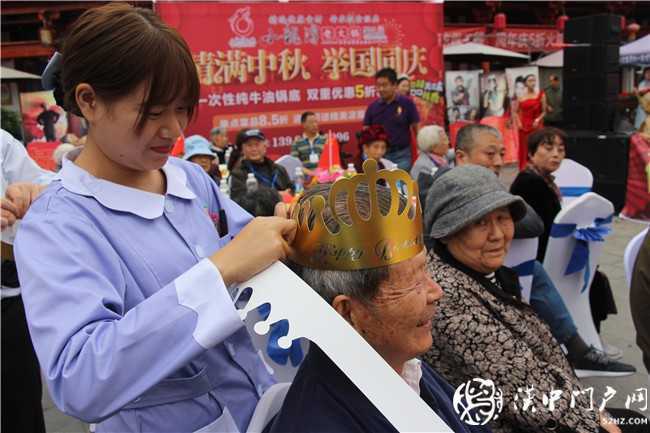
x: 197, y: 145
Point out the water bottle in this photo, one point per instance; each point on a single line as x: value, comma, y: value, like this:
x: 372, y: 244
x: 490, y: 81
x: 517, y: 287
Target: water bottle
x: 300, y: 180
x: 228, y: 153
x: 223, y: 187
x: 251, y: 183
x: 351, y: 171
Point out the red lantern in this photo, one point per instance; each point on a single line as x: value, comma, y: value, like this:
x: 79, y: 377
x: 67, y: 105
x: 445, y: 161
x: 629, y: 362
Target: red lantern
x: 561, y: 22
x: 500, y: 22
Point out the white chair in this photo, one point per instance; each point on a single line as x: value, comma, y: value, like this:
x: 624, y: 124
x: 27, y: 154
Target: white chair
x: 268, y: 407
x: 573, y: 179
x: 520, y: 258
x: 631, y: 251
x: 582, y: 212
x: 290, y: 163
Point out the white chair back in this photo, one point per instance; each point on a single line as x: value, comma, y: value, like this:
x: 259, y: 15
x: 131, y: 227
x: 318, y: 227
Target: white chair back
x: 521, y: 256
x: 631, y: 251
x: 268, y: 406
x: 573, y: 179
x: 289, y: 163
x: 582, y: 212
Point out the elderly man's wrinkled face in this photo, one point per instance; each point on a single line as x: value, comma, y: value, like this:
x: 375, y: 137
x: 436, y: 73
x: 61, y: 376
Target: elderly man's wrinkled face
x: 483, y: 245
x: 397, y: 322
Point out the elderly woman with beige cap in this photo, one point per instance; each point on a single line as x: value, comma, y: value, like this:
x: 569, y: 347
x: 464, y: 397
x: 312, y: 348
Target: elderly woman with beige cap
x: 483, y: 329
x: 433, y: 144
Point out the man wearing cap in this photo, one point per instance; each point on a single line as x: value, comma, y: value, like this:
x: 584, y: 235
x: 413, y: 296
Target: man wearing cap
x: 249, y: 157
x: 219, y: 141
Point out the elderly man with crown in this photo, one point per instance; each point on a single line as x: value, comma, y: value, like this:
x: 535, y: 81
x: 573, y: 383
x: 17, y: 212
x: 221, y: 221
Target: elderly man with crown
x: 359, y: 245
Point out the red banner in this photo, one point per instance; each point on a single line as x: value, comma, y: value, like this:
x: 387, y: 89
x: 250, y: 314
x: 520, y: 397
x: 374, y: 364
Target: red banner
x: 263, y: 64
x: 520, y: 39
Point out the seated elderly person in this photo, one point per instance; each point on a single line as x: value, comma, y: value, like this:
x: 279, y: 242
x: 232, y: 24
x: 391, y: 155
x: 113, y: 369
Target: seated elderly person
x: 482, y: 328
x: 390, y: 306
x: 433, y: 144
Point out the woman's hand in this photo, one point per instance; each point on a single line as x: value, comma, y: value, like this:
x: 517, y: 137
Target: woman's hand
x: 261, y: 243
x: 18, y: 197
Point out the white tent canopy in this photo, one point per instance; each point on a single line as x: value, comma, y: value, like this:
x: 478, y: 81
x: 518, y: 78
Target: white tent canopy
x: 637, y: 52
x: 634, y: 53
x: 473, y: 48
x: 13, y: 74
x: 553, y: 60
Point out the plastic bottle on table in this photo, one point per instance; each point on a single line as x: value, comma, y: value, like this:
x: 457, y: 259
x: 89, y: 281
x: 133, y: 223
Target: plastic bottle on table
x: 251, y: 183
x: 224, y: 187
x: 351, y: 171
x: 300, y: 180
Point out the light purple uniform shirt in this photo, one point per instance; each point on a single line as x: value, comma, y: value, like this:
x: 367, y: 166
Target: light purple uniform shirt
x: 133, y: 325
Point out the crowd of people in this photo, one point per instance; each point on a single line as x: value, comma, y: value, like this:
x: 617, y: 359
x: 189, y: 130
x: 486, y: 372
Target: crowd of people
x: 124, y: 265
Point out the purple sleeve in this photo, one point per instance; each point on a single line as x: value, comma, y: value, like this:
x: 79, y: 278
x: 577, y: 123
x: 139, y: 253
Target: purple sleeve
x: 412, y: 112
x: 367, y: 118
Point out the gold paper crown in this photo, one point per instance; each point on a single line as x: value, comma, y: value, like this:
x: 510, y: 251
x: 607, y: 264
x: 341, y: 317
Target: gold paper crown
x: 379, y: 240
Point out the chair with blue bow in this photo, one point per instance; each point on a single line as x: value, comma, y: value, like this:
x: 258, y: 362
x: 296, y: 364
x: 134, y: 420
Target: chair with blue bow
x: 573, y: 179
x: 521, y: 258
x: 573, y: 251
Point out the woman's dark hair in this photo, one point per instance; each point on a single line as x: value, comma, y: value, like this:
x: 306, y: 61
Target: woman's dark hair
x: 543, y: 136
x: 528, y: 76
x: 115, y: 48
x: 236, y: 153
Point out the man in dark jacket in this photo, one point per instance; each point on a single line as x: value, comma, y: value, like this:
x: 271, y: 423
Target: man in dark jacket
x: 250, y: 151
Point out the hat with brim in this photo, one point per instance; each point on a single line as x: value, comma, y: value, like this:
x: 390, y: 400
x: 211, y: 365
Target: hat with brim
x: 246, y: 134
x: 464, y: 195
x: 197, y: 145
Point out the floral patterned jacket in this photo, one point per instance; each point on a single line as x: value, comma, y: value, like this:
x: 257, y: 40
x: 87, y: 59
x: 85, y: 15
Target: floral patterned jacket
x: 477, y: 334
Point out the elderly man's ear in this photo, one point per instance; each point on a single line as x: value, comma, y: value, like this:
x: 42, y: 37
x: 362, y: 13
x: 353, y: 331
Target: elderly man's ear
x: 351, y: 310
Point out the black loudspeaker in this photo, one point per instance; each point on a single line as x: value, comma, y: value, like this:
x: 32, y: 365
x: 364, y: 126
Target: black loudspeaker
x: 606, y: 155
x: 590, y: 87
x: 593, y: 29
x: 594, y: 59
x: 594, y: 116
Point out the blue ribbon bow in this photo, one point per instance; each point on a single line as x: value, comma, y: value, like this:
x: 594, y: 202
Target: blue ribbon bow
x: 279, y: 329
x: 580, y: 255
x: 574, y: 191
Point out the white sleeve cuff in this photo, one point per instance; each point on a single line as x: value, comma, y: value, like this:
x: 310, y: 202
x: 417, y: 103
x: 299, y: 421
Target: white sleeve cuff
x: 202, y: 289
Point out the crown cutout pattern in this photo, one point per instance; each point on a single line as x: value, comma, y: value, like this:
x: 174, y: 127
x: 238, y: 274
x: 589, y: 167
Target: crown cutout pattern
x: 360, y: 242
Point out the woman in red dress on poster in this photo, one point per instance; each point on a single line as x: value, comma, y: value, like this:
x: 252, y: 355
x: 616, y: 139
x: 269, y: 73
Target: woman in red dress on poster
x: 531, y: 109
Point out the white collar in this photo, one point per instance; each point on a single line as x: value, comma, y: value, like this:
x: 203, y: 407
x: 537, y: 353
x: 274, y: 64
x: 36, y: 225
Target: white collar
x: 123, y: 198
x: 412, y: 373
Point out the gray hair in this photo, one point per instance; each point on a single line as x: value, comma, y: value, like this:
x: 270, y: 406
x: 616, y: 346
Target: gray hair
x: 429, y: 137
x: 466, y: 138
x: 362, y: 284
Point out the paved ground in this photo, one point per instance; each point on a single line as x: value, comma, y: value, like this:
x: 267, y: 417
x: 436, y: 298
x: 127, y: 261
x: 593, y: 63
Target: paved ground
x: 617, y: 330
